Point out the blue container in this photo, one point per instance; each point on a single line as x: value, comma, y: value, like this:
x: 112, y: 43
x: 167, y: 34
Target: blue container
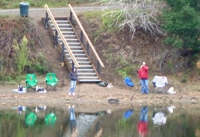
x: 24, y: 6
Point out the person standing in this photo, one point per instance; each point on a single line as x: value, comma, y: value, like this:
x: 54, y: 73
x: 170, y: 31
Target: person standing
x: 143, y: 74
x: 73, y: 76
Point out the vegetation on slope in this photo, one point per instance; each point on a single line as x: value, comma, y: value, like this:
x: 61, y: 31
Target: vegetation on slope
x: 19, y: 46
x: 124, y: 55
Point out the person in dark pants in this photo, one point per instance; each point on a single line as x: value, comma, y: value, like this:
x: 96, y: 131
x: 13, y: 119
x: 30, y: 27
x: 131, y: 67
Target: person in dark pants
x: 73, y: 76
x: 143, y: 74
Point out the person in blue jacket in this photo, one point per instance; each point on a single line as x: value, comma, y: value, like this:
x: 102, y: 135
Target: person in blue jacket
x: 73, y: 76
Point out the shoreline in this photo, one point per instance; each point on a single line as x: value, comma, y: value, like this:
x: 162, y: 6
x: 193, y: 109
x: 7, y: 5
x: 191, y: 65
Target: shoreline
x: 99, y: 95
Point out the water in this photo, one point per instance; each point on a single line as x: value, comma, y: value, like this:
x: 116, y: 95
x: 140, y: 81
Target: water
x: 141, y: 121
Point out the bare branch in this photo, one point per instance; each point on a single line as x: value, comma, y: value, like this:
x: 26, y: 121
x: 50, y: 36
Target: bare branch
x: 137, y: 14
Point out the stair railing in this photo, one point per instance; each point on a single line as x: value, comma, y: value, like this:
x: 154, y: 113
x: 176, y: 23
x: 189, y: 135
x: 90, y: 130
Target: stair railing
x: 50, y: 15
x: 84, y: 35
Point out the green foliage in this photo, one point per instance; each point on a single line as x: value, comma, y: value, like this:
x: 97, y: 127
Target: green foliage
x: 171, y: 66
x: 21, y: 54
x: 178, y: 4
x: 185, y: 76
x: 182, y: 24
x: 40, y: 65
x: 109, y: 23
x: 124, y: 68
x: 122, y: 72
x: 5, y: 77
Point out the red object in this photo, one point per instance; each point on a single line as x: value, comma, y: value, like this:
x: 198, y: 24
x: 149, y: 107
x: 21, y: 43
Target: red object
x: 143, y: 72
x: 142, y: 127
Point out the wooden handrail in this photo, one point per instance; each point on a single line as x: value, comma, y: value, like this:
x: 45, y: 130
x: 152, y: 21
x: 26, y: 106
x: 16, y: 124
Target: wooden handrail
x: 61, y: 36
x: 86, y: 36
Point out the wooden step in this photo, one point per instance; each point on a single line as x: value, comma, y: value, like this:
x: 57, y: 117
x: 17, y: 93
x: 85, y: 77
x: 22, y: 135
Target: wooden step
x: 65, y: 30
x: 88, y: 77
x: 85, y: 66
x: 89, y: 80
x: 75, y: 47
x: 69, y: 40
x: 71, y: 43
x: 61, y: 25
x: 60, y: 21
x: 72, y: 40
x: 76, y: 54
x: 75, y: 51
x: 79, y: 58
x: 82, y: 62
x: 70, y: 36
x: 85, y: 70
x: 88, y: 74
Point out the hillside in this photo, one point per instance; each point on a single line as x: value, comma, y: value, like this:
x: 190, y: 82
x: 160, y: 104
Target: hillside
x: 119, y: 52
x: 123, y: 55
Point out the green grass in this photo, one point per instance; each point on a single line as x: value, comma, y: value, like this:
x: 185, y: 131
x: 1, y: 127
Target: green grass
x: 104, y: 21
x: 10, y: 4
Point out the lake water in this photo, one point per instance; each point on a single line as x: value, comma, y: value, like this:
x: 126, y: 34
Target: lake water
x: 142, y: 121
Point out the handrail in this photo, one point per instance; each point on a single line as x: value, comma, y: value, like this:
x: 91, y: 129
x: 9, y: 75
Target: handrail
x: 61, y: 36
x: 86, y: 36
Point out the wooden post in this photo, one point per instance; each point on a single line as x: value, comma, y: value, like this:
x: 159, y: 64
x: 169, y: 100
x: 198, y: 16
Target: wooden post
x: 72, y: 65
x: 56, y: 39
x: 62, y: 55
x: 88, y: 49
x: 70, y: 17
x: 98, y: 67
x: 46, y: 21
x: 81, y: 36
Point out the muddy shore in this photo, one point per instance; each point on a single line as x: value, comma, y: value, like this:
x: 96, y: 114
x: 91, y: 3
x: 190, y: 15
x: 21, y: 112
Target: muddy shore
x: 95, y: 97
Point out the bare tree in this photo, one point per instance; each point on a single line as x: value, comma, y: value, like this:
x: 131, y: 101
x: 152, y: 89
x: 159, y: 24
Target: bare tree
x: 137, y: 14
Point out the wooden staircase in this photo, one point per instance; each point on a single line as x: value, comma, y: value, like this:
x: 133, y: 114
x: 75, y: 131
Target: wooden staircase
x: 73, y: 51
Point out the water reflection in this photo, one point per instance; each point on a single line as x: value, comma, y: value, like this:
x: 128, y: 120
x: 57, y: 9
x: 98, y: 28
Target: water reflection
x: 142, y: 125
x: 71, y: 127
x: 156, y: 121
x: 50, y: 116
x: 128, y: 114
x: 31, y: 114
x: 144, y: 121
x: 159, y: 116
x: 30, y: 117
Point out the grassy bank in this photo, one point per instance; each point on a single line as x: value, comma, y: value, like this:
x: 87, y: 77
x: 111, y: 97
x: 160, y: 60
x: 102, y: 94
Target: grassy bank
x: 9, y: 4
